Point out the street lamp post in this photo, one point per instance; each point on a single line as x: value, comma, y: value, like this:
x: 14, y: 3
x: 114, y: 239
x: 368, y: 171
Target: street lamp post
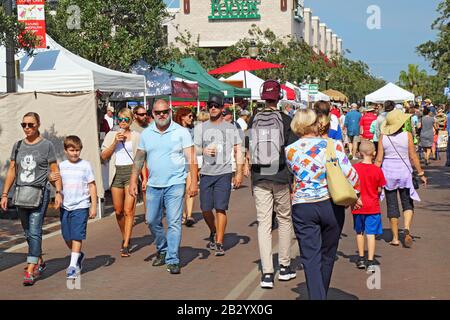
x: 327, y: 79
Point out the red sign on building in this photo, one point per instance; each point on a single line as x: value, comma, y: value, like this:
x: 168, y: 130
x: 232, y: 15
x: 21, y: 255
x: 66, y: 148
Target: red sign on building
x: 32, y: 13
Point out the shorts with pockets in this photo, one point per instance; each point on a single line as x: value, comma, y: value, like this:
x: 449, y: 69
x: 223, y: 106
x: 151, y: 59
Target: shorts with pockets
x: 215, y: 192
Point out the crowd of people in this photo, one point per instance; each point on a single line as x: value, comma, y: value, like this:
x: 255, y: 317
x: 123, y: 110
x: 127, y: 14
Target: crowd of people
x: 169, y: 158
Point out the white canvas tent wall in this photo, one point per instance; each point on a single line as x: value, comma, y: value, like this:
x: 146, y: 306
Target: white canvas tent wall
x: 304, y: 93
x: 250, y: 81
x: 58, y: 70
x: 61, y: 115
x: 390, y: 92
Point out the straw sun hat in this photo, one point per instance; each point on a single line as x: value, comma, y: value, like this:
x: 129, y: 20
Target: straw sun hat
x: 394, y: 122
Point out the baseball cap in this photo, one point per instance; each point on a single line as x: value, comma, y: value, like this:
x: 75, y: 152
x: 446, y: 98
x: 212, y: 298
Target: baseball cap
x: 226, y: 111
x: 271, y: 90
x: 110, y: 108
x: 215, y: 100
x: 244, y: 113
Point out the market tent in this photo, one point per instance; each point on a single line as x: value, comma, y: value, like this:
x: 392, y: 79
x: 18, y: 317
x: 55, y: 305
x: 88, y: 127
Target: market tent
x: 253, y: 82
x: 336, y: 95
x: 55, y: 69
x: 390, y: 92
x: 289, y: 94
x: 305, y: 96
x: 190, y: 69
x: 245, y: 64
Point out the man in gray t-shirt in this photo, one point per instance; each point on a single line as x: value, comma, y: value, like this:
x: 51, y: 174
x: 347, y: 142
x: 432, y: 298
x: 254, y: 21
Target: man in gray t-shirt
x: 216, y: 140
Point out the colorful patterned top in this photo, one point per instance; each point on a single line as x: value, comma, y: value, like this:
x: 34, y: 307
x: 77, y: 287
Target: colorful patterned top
x: 306, y: 159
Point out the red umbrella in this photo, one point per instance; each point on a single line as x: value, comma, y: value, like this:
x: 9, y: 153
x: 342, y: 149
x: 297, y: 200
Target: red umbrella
x: 245, y: 64
x: 290, y: 93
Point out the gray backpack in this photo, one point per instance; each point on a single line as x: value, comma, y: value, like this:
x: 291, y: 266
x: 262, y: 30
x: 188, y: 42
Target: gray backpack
x: 267, y: 138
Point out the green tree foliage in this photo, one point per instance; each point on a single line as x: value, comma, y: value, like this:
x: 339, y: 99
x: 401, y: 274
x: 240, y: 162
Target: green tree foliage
x: 414, y: 80
x: 438, y: 52
x: 112, y: 33
x: 299, y: 60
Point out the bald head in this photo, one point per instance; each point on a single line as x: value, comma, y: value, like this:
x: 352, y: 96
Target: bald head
x: 160, y: 104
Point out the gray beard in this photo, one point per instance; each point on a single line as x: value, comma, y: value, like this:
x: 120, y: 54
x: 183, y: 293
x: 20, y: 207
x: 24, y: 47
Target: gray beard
x: 163, y: 123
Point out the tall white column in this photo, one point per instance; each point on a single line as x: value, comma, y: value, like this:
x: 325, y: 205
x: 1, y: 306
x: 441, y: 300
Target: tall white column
x: 307, y: 32
x: 323, y: 37
x: 334, y: 44
x: 329, y: 33
x: 316, y: 34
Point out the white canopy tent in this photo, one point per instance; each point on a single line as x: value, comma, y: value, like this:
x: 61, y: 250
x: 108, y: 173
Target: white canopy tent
x: 56, y: 69
x: 390, y: 92
x: 304, y: 95
x: 250, y: 81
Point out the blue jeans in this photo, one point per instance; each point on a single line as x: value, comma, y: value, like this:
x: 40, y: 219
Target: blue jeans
x: 172, y: 199
x: 32, y: 221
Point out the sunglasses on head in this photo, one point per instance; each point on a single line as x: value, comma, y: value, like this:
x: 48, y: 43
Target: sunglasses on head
x: 123, y: 119
x: 141, y: 114
x: 162, y: 112
x: 28, y: 125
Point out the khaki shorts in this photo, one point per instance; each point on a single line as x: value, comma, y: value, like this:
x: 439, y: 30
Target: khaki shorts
x: 122, y: 177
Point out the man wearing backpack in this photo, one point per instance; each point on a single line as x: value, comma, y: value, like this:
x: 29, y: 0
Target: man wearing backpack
x: 269, y: 133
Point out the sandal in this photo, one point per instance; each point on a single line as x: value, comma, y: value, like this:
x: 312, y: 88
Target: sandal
x: 125, y: 252
x: 190, y: 222
x: 183, y: 220
x: 408, y: 241
x: 395, y: 244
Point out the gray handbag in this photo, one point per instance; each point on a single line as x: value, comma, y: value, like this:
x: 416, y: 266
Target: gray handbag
x: 26, y: 197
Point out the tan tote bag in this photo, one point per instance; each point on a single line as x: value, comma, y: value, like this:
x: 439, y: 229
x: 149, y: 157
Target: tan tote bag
x: 340, y: 189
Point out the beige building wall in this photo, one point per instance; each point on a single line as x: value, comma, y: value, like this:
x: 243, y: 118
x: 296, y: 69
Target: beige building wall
x: 308, y: 26
x: 323, y: 37
x: 334, y: 44
x: 329, y: 34
x: 316, y: 34
x: 224, y: 33
x: 339, y: 46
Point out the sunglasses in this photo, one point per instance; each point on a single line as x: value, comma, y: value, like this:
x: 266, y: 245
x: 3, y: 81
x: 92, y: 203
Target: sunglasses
x: 123, y: 119
x: 28, y: 125
x: 141, y: 114
x: 162, y: 112
x: 214, y: 106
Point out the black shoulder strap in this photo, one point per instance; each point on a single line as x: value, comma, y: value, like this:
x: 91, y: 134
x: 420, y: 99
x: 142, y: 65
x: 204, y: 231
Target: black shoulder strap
x: 15, y: 154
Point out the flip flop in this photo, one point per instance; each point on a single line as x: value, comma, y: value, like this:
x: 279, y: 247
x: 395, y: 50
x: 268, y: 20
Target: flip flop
x: 394, y: 244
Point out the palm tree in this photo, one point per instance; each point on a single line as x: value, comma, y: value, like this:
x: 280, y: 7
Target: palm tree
x: 414, y: 80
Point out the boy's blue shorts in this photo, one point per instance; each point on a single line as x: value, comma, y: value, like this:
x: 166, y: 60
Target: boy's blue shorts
x: 74, y: 224
x: 368, y: 223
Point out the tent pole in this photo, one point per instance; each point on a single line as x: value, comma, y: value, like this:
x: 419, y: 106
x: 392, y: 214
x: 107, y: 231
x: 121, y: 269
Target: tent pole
x: 245, y: 79
x: 198, y: 106
x: 145, y: 95
x: 99, y: 208
x: 170, y: 102
x: 234, y: 108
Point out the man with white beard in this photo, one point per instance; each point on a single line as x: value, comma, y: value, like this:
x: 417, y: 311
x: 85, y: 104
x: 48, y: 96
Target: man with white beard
x: 167, y: 147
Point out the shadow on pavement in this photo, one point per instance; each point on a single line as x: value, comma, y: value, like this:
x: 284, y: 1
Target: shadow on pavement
x: 139, y: 243
x: 333, y: 293
x: 233, y: 239
x: 189, y: 254
x: 90, y: 264
x: 354, y: 257
x: 9, y: 260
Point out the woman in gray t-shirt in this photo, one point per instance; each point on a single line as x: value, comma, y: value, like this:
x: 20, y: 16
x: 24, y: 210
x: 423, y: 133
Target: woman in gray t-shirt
x: 31, y: 161
x: 427, y: 127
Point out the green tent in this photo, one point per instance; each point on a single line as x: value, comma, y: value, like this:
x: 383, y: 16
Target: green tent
x: 190, y: 69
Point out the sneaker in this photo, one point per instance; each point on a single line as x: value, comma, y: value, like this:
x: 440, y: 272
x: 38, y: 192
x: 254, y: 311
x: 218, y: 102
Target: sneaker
x: 370, y: 267
x: 361, y: 263
x: 173, y: 268
x: 212, y: 241
x: 80, y: 261
x: 72, y: 272
x: 286, y: 273
x: 160, y: 260
x: 219, y: 250
x: 28, y: 279
x: 267, y: 281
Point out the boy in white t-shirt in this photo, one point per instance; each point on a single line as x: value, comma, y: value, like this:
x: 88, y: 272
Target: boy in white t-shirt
x: 79, y: 201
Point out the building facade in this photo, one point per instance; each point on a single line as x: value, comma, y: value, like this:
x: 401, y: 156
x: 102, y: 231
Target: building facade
x: 221, y: 23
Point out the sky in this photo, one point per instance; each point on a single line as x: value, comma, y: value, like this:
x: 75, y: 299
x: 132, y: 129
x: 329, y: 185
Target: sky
x: 404, y: 24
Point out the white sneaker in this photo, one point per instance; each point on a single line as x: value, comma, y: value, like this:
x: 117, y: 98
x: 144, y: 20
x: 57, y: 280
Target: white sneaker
x: 267, y: 281
x: 286, y: 273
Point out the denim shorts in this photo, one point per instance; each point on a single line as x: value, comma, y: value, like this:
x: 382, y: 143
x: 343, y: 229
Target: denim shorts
x: 215, y: 192
x: 368, y: 223
x: 74, y: 224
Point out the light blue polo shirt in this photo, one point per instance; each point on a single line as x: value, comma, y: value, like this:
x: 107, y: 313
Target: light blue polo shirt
x: 165, y: 154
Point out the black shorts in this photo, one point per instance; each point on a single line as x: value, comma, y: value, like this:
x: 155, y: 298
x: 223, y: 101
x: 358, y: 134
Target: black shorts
x: 393, y: 210
x: 215, y: 192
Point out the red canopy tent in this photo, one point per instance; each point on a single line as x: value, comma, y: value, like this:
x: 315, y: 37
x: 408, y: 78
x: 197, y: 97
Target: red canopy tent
x: 290, y: 93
